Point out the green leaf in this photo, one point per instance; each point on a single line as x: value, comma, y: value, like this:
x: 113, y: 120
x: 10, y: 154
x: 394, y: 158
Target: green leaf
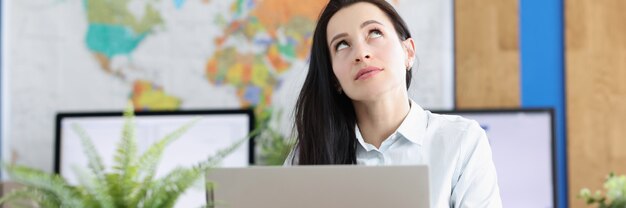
x: 54, y: 184
x: 125, y: 156
x: 147, y: 163
x: 93, y: 158
x: 95, y: 163
x: 43, y: 198
x: 215, y: 159
x: 166, y: 191
x: 95, y: 189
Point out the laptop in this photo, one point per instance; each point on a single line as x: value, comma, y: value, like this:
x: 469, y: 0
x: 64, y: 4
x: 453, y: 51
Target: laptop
x: 318, y: 186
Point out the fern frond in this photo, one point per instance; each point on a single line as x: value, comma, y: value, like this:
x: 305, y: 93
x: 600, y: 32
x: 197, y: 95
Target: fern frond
x: 115, y: 189
x: 165, y: 191
x: 169, y: 189
x: 125, y: 156
x: 54, y: 184
x: 95, y: 189
x: 149, y: 160
x: 93, y: 158
x: 95, y: 163
x: 215, y: 159
x: 43, y: 198
x: 127, y: 147
x: 87, y: 199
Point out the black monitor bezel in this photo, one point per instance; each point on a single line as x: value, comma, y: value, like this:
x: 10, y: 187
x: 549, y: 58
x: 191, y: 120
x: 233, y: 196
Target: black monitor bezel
x: 63, y: 115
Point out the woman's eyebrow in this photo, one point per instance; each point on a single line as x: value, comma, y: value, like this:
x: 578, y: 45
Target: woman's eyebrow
x: 340, y: 35
x: 366, y: 23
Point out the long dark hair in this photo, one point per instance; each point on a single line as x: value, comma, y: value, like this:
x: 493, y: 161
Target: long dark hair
x: 324, y: 118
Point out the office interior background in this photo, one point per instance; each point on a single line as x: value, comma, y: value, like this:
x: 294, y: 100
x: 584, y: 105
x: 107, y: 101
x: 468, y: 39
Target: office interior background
x: 78, y: 56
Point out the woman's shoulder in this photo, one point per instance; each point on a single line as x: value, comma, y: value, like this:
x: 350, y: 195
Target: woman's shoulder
x: 454, y: 129
x: 451, y: 123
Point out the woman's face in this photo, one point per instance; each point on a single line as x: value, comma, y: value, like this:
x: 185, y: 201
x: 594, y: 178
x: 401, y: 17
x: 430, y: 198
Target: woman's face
x: 367, y: 56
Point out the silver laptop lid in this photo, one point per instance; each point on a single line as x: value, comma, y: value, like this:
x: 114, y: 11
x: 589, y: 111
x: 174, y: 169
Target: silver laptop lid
x: 319, y: 186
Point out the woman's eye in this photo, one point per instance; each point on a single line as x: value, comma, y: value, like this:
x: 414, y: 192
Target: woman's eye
x: 375, y: 33
x: 341, y: 45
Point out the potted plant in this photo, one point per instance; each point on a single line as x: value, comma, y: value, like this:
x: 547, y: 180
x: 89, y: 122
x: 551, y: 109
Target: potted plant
x: 615, y: 196
x: 131, y: 183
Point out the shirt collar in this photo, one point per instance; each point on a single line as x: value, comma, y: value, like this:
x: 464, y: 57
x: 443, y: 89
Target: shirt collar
x: 413, y: 127
x: 359, y: 137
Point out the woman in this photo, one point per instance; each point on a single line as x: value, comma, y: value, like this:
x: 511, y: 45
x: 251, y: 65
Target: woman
x: 354, y: 108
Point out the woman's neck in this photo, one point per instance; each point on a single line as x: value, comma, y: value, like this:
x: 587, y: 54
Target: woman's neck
x: 379, y: 119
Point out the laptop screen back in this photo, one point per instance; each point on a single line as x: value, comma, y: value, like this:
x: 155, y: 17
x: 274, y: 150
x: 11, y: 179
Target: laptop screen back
x: 319, y: 186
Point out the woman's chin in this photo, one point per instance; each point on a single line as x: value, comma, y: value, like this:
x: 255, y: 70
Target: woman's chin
x: 375, y: 93
x: 365, y: 96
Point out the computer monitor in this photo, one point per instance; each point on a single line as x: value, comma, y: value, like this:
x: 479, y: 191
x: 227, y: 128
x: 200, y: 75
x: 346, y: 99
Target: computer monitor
x: 522, y: 145
x: 217, y: 129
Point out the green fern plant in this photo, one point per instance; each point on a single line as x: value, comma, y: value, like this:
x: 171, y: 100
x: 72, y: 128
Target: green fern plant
x: 131, y: 183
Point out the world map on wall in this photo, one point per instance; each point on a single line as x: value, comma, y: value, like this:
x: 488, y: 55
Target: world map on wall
x: 274, y: 32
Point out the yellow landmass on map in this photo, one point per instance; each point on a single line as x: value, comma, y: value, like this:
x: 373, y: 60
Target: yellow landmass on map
x: 147, y: 96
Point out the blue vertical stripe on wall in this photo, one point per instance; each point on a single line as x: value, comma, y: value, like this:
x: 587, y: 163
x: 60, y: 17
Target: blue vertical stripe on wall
x: 542, y: 72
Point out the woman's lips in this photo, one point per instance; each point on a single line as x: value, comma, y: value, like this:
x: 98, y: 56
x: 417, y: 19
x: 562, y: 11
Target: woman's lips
x: 367, y: 72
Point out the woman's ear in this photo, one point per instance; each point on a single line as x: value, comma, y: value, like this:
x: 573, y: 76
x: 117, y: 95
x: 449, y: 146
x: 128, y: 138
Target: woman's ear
x: 409, y: 48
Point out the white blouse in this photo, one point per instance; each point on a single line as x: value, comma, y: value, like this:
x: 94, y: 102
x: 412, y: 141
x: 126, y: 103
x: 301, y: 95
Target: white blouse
x: 456, y: 150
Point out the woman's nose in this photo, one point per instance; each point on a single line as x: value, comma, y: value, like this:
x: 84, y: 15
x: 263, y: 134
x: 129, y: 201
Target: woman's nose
x: 362, y: 53
x: 362, y: 57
